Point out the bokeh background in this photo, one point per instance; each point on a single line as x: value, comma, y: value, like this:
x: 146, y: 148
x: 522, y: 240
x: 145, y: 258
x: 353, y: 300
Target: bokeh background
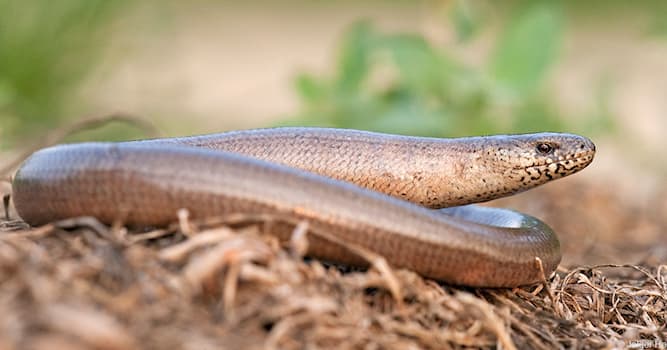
x: 437, y: 68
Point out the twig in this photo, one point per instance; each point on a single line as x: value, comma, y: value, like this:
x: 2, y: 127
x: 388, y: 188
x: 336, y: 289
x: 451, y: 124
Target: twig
x: 492, y: 320
x: 298, y: 246
x: 86, y: 124
x: 30, y: 233
x: 89, y: 222
x: 545, y: 283
x: 375, y: 260
x: 140, y: 237
x: 177, y: 252
x: 184, y: 225
x: 5, y: 203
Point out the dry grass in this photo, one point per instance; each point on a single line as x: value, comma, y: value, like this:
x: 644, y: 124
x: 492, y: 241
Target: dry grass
x: 78, y: 285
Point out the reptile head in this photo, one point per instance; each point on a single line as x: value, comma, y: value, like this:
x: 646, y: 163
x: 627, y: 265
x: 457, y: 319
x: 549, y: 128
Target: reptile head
x: 505, y: 164
x: 548, y: 156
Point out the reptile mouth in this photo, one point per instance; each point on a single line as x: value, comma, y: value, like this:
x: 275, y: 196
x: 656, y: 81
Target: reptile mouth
x: 580, y: 160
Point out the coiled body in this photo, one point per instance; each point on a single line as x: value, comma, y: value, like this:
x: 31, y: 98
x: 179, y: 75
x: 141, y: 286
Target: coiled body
x: 273, y: 171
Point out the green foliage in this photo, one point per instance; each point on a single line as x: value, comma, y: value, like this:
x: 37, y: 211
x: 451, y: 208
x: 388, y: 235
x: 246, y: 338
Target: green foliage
x: 528, y: 47
x: 658, y: 24
x: 46, y: 48
x: 464, y: 20
x: 402, y: 83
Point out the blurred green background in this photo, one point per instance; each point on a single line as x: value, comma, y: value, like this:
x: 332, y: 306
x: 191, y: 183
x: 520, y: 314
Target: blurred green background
x: 436, y: 68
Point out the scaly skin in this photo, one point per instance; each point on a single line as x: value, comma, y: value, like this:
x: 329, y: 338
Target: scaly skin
x: 259, y: 171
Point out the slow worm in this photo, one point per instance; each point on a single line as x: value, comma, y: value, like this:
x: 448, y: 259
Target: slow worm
x: 368, y: 189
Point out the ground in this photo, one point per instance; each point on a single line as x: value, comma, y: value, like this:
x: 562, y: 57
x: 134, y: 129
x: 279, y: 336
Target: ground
x: 80, y: 285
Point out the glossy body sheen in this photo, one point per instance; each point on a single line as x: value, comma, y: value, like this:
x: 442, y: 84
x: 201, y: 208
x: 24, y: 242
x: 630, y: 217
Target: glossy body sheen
x: 365, y: 188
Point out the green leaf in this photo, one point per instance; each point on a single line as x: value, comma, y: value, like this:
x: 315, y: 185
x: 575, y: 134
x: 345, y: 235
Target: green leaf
x: 462, y: 17
x: 354, y: 61
x: 528, y: 46
x: 309, y: 88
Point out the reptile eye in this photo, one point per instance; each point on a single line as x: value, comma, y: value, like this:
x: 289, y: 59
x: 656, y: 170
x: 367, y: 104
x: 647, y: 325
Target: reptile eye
x: 544, y: 148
